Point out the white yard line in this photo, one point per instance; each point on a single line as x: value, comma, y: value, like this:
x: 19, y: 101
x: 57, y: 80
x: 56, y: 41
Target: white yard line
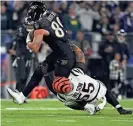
x: 45, y: 108
x: 55, y: 99
x: 28, y: 109
x: 121, y: 120
x: 32, y: 100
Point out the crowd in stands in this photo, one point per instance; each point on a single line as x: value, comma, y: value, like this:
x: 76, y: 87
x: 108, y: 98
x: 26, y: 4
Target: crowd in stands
x: 97, y: 16
x: 113, y: 20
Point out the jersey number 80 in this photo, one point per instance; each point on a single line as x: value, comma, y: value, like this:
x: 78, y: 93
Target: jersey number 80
x: 57, y: 27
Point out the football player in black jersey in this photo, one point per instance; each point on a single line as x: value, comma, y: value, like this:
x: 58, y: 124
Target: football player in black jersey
x: 44, y: 25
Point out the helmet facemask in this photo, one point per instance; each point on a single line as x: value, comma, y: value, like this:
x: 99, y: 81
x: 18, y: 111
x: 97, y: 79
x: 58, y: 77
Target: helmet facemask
x: 35, y: 12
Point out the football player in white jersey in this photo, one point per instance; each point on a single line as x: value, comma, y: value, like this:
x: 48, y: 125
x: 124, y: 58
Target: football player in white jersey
x: 79, y: 91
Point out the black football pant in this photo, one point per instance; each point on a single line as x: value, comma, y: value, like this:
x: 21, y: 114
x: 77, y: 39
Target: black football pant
x: 60, y: 68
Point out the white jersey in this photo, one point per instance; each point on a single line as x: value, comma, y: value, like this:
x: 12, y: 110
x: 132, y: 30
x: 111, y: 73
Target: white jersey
x: 84, y: 87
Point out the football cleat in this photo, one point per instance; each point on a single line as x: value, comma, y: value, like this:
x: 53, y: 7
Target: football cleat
x: 124, y: 111
x: 18, y: 97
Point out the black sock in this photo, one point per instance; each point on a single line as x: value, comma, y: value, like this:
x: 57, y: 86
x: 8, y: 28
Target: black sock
x: 23, y: 83
x: 35, y: 79
x: 18, y: 86
x: 111, y: 99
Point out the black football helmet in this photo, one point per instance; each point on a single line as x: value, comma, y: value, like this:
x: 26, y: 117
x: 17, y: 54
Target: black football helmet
x: 35, y: 12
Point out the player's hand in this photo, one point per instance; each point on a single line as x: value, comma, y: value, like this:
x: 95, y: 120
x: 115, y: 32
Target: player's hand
x: 90, y: 108
x: 34, y: 47
x: 99, y: 107
x: 102, y: 103
x: 37, y: 40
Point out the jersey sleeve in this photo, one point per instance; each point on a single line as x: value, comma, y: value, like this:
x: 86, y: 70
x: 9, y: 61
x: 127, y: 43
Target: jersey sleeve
x: 77, y: 72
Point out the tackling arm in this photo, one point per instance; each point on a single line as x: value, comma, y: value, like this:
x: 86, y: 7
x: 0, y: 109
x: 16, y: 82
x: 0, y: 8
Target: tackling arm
x: 80, y: 58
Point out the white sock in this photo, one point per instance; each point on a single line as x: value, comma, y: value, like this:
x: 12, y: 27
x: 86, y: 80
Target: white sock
x: 117, y: 106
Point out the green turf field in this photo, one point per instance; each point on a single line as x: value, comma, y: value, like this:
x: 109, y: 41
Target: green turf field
x: 54, y: 113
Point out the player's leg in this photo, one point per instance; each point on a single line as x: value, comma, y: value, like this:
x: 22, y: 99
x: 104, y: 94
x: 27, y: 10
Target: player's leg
x: 63, y: 67
x: 36, y: 78
x: 111, y: 99
x: 49, y: 80
x: 17, y: 79
x: 60, y: 70
x: 42, y: 69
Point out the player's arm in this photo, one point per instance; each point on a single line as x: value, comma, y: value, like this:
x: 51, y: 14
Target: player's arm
x: 80, y: 58
x: 37, y: 40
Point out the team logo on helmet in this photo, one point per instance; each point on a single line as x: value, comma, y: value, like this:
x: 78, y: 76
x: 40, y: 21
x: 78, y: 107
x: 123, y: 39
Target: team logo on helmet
x: 62, y: 85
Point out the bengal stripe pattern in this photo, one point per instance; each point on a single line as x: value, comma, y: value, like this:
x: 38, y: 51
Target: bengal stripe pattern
x: 77, y: 72
x: 62, y: 85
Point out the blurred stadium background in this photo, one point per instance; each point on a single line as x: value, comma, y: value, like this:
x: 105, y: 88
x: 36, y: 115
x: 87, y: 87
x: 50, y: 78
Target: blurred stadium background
x: 93, y: 26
